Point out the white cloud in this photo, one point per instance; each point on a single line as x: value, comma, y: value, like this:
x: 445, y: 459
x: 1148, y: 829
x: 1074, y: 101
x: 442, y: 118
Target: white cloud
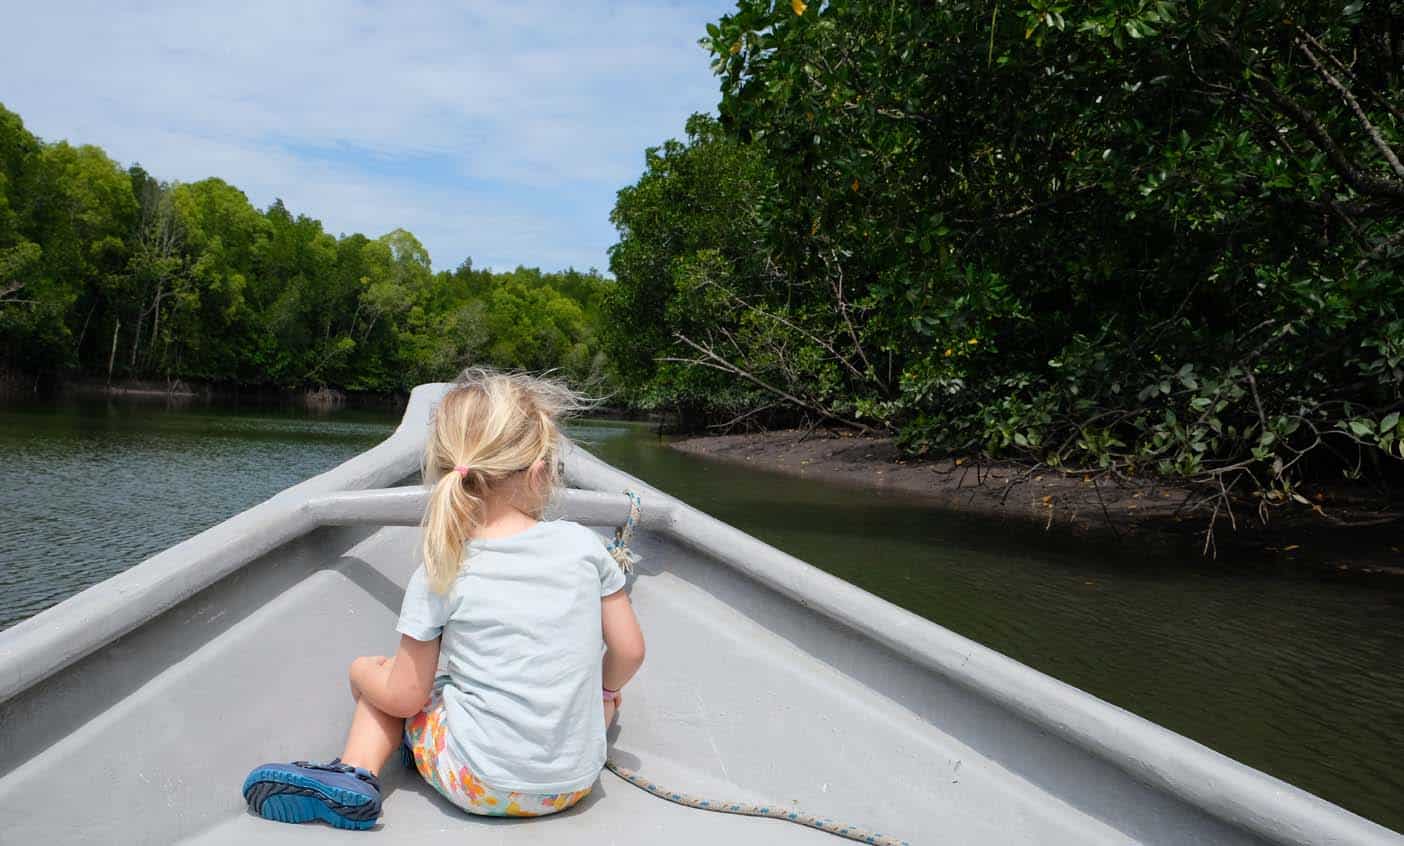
x: 491, y: 129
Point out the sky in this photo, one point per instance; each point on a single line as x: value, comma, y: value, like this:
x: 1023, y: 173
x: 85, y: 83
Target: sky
x: 497, y: 130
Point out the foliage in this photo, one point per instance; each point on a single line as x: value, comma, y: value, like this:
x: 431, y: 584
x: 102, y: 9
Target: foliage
x: 692, y: 209
x: 113, y: 273
x: 1133, y: 237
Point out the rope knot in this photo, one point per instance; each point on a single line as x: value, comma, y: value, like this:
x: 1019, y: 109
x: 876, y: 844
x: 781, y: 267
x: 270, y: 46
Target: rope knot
x: 619, y: 547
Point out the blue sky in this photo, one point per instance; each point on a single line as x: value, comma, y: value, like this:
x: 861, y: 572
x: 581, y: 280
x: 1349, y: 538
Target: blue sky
x: 496, y: 130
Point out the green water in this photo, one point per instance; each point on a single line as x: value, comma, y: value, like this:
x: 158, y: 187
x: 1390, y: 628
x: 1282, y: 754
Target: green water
x: 89, y: 488
x: 1300, y: 677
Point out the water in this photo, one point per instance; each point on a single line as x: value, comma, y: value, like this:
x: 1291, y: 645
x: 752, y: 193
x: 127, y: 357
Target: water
x: 1299, y: 677
x: 89, y: 488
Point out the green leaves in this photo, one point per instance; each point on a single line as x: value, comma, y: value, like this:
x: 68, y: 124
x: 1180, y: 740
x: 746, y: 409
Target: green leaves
x: 103, y: 267
x: 691, y: 242
x: 1105, y: 197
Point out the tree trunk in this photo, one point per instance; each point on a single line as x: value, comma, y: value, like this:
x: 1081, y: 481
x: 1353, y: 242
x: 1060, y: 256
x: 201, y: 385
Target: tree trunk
x: 112, y: 358
x: 156, y: 318
x: 78, y: 347
x: 136, y: 339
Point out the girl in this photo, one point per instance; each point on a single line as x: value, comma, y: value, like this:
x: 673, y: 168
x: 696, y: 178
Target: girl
x: 520, y: 609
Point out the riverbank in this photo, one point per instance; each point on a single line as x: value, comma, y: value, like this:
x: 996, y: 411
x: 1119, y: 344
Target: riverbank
x: 178, y: 393
x: 1143, y: 513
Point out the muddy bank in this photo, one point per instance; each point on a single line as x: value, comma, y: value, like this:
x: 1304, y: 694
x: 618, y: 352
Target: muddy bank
x: 1143, y: 514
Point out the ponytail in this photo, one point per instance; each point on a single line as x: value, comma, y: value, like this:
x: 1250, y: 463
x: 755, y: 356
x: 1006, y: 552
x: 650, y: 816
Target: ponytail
x: 452, y: 515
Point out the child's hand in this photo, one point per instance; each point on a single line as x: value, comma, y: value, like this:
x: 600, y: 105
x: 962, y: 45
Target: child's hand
x: 611, y: 708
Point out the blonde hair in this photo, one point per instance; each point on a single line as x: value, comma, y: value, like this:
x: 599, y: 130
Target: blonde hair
x: 495, y: 425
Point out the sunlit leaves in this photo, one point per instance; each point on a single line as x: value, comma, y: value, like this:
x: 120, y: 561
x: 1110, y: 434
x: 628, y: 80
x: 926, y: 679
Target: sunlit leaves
x: 1105, y: 198
x: 103, y: 269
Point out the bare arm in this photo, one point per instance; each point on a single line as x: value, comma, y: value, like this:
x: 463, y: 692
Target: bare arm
x: 624, y: 643
x: 398, y: 686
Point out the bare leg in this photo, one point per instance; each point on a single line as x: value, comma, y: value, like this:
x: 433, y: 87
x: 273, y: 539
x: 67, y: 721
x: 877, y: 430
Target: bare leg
x: 373, y: 736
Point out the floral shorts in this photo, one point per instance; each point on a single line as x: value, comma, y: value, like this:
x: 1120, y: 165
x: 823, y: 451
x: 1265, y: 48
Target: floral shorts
x: 425, y: 733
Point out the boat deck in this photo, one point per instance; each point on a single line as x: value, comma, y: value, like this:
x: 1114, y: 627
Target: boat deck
x: 723, y: 707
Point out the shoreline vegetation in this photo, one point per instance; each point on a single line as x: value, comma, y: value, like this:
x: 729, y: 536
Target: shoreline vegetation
x: 1141, y: 512
x: 1132, y: 243
x: 111, y: 275
x: 1118, y: 241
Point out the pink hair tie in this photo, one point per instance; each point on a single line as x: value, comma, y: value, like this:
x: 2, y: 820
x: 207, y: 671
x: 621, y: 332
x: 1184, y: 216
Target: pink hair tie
x: 461, y: 470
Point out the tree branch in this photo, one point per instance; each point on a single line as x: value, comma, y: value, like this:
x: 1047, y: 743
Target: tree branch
x: 1370, y: 128
x: 722, y: 364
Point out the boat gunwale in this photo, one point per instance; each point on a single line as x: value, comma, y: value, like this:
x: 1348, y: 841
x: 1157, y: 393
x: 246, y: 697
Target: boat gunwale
x: 59, y: 636
x: 1219, y: 786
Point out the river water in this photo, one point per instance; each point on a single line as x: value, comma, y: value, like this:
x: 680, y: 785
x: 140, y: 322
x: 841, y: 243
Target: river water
x: 1298, y: 676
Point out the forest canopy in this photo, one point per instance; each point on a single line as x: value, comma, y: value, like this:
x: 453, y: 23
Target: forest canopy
x: 112, y: 273
x: 1124, y: 238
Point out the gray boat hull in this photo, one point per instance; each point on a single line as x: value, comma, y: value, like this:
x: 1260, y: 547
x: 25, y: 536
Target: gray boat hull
x: 131, y: 713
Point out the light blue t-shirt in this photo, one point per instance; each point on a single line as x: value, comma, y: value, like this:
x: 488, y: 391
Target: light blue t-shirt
x: 522, y: 643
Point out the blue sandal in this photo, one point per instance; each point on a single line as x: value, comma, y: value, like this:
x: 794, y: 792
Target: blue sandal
x: 336, y: 793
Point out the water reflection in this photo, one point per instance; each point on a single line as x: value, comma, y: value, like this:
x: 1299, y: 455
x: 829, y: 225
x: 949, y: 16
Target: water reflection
x: 1300, y: 677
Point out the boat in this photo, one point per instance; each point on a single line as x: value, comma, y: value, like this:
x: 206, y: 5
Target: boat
x: 131, y: 712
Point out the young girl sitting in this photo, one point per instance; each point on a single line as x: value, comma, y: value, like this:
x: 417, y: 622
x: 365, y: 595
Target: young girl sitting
x: 520, y: 609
